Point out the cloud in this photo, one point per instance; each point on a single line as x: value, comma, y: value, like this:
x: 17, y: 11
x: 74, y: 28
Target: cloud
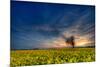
x: 83, y: 31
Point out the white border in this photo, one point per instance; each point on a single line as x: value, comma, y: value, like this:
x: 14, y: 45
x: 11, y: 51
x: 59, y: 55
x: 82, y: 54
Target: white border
x: 5, y: 33
x: 87, y: 2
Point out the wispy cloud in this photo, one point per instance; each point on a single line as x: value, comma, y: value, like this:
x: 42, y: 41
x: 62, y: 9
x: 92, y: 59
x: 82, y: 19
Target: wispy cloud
x: 44, y: 26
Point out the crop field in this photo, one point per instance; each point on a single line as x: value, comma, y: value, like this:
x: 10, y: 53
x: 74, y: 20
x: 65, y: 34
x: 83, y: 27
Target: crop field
x: 51, y: 56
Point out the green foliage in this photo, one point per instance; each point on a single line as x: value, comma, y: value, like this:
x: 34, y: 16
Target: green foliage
x: 51, y: 56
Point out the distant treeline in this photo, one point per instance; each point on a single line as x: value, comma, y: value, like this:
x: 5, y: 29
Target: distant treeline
x: 55, y: 48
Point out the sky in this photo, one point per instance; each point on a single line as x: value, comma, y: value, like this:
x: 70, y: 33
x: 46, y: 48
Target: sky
x: 43, y: 25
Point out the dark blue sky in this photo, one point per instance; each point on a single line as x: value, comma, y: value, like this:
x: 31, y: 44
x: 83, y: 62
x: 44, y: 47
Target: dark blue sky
x: 41, y: 25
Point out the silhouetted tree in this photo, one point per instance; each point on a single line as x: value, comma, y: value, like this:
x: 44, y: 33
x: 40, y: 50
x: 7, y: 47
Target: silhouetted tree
x: 70, y: 40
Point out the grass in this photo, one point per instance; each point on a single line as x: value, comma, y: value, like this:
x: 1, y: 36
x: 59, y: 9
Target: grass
x: 51, y: 56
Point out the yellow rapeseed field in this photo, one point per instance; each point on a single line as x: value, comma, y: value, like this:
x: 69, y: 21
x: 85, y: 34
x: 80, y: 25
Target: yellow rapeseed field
x: 51, y: 56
